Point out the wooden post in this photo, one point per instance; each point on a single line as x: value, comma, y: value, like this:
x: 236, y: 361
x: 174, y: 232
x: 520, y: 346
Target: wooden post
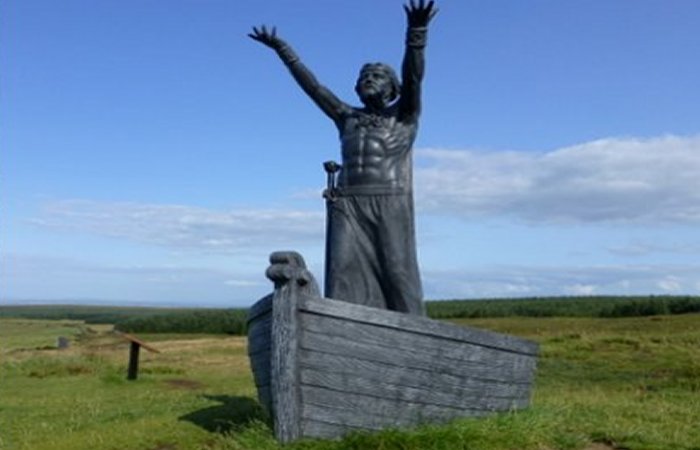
x: 133, y: 361
x: 136, y: 345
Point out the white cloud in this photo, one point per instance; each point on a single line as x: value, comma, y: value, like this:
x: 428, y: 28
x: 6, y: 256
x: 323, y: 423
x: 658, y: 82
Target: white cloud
x: 670, y: 284
x: 184, y: 227
x: 519, y: 281
x: 581, y: 289
x: 609, y: 180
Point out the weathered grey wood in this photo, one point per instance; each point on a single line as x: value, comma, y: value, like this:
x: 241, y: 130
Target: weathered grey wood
x: 404, y: 339
x: 321, y: 429
x: 260, y: 348
x: 260, y: 339
x: 446, y: 372
x: 292, y: 283
x: 262, y: 345
x: 368, y: 419
x: 369, y: 387
x: 497, y: 370
x: 344, y: 417
x: 265, y: 396
x: 386, y: 373
x: 261, y: 356
x: 261, y: 359
x: 421, y: 325
x: 486, y: 362
x: 262, y: 306
x: 386, y: 411
x: 261, y: 320
x: 260, y: 363
x: 284, y: 365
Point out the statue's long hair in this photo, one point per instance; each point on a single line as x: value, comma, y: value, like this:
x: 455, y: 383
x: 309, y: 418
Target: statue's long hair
x: 395, y: 85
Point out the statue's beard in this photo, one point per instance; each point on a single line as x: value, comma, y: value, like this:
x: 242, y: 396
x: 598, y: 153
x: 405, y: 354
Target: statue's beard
x: 373, y: 97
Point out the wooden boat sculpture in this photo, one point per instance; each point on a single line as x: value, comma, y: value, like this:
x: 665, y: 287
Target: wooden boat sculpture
x: 325, y: 367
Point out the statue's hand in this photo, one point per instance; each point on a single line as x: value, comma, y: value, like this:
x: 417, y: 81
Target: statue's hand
x: 419, y: 15
x: 268, y: 38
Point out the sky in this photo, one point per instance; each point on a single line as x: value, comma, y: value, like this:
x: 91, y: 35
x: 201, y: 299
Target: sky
x: 152, y: 154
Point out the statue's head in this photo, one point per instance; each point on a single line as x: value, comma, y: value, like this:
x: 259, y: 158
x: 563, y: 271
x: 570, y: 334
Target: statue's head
x: 377, y: 82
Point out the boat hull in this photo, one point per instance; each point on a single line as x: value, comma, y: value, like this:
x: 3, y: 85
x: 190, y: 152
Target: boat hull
x: 325, y: 367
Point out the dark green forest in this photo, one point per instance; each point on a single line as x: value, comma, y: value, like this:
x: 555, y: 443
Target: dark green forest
x: 233, y: 321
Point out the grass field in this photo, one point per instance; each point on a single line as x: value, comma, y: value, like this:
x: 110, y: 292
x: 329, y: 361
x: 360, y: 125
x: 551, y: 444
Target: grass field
x: 626, y: 383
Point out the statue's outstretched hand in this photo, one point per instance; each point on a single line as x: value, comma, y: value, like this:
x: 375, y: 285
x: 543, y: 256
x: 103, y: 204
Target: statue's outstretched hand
x: 269, y: 38
x: 419, y: 14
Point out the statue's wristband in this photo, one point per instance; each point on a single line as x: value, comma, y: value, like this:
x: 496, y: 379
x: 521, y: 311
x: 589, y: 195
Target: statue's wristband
x: 287, y: 55
x: 416, y: 37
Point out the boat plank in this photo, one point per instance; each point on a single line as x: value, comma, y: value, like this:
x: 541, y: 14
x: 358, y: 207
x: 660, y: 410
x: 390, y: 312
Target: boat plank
x: 262, y: 306
x: 261, y: 359
x: 388, y: 411
x: 417, y: 324
x: 503, y: 367
x: 321, y: 429
x: 366, y: 420
x: 260, y: 348
x: 430, y: 347
x: 261, y: 367
x: 403, y: 376
x: 265, y: 395
x: 370, y: 387
x: 338, y: 417
x: 261, y: 326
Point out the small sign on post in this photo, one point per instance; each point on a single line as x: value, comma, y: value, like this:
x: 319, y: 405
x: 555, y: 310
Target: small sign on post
x: 134, y: 351
x: 62, y: 343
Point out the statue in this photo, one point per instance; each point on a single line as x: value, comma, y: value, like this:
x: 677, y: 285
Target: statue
x: 371, y: 248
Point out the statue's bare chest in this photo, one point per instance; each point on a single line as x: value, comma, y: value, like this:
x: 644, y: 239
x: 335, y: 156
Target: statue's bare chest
x: 375, y: 136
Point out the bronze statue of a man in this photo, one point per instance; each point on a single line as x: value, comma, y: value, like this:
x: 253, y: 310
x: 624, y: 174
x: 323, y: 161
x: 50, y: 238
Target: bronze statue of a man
x: 371, y: 244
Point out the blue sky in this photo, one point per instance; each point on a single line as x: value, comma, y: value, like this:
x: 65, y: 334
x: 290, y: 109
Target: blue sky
x: 150, y: 153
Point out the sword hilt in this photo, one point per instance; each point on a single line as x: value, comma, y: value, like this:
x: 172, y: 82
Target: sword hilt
x: 332, y: 168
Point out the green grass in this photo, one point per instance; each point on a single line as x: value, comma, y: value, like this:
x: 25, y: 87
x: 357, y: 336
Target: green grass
x: 601, y: 384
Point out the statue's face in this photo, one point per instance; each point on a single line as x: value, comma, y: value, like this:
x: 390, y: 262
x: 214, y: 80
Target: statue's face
x: 374, y: 83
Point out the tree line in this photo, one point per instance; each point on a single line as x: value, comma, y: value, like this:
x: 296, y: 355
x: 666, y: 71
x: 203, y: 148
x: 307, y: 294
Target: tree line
x: 233, y: 321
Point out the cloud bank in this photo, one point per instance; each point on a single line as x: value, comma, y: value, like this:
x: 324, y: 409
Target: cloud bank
x: 525, y: 281
x: 70, y: 280
x: 65, y: 280
x: 609, y: 181
x: 630, y: 182
x: 605, y: 181
x: 184, y: 227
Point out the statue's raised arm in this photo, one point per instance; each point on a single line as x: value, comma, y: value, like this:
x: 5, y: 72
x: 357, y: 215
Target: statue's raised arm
x: 322, y: 96
x: 418, y: 16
